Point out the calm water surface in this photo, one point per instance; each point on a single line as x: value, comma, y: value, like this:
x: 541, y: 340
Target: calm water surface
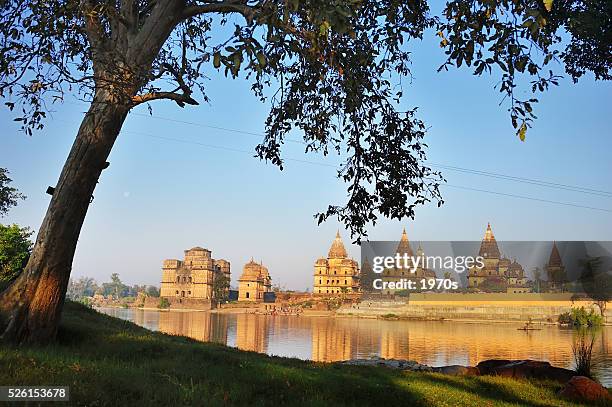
x: 329, y: 339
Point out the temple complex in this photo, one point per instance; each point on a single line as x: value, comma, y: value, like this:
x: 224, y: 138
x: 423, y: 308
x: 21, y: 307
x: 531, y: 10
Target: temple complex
x: 555, y: 271
x: 395, y: 274
x: 194, y: 276
x: 254, y: 282
x: 499, y: 273
x: 336, y: 273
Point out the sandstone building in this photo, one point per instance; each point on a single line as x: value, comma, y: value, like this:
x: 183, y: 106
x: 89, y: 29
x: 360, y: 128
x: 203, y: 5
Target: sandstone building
x: 499, y: 273
x: 194, y: 276
x: 336, y: 273
x: 396, y: 274
x: 254, y: 282
x: 555, y: 271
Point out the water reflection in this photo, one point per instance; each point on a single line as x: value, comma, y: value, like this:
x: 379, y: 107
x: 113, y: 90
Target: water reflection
x: 329, y: 339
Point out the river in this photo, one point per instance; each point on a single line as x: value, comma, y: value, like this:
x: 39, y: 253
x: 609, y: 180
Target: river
x: 329, y: 339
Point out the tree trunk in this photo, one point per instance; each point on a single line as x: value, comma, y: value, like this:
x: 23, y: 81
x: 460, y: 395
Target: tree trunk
x: 31, y: 306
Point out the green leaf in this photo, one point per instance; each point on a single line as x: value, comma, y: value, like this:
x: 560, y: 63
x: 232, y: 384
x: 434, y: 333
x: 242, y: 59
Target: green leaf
x: 217, y: 60
x: 261, y: 58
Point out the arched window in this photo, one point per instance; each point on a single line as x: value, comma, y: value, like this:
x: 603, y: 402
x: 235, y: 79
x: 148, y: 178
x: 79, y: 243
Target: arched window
x: 247, y: 295
x: 190, y: 280
x: 178, y: 280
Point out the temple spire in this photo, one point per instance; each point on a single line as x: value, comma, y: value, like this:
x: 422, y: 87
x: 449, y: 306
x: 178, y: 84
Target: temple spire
x: 404, y: 245
x: 489, y: 233
x: 488, y: 247
x: 337, y: 250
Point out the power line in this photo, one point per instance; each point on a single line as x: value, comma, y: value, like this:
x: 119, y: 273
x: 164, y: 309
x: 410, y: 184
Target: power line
x: 527, y: 197
x: 547, y: 184
x: 333, y: 166
x: 554, y: 185
x: 525, y: 180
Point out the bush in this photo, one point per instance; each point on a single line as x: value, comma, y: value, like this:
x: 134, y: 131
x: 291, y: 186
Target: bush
x: 565, y: 319
x: 163, y: 303
x: 580, y: 317
x: 582, y: 349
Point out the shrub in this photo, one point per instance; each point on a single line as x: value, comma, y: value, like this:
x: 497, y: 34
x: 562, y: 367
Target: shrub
x: 582, y: 349
x: 163, y: 303
x: 580, y: 317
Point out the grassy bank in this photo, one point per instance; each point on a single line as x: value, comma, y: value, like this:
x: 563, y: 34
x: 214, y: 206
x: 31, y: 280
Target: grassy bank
x: 107, y: 361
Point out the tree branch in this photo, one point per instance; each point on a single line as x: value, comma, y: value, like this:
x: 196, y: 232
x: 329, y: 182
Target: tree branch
x: 93, y: 26
x: 229, y: 6
x: 181, y: 99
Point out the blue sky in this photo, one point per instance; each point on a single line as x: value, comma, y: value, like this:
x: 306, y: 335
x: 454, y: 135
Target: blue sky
x: 162, y: 196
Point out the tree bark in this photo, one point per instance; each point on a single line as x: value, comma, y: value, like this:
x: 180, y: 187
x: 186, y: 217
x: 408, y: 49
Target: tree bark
x: 30, y: 307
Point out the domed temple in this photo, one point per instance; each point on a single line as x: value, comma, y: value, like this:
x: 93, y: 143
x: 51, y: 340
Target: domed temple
x: 336, y: 273
x: 395, y: 274
x: 499, y: 273
x: 254, y: 282
x: 194, y: 276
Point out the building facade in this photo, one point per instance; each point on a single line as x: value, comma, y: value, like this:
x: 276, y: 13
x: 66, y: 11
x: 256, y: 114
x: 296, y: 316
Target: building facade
x: 499, y: 273
x: 555, y: 271
x: 254, y: 282
x: 395, y: 274
x: 194, y: 276
x: 337, y: 273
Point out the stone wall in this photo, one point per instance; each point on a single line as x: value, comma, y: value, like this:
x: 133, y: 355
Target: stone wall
x: 519, y: 308
x: 180, y: 303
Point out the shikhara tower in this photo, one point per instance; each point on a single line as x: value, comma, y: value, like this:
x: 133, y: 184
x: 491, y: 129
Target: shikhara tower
x: 337, y: 273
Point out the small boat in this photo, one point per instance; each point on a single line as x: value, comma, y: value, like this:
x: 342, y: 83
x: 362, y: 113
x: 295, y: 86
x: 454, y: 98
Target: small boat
x: 529, y: 327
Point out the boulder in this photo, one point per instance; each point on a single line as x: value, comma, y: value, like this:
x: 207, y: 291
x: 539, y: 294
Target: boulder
x: 582, y: 388
x: 486, y: 366
x: 525, y: 369
x: 457, y: 370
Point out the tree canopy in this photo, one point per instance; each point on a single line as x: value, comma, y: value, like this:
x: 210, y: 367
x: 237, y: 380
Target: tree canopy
x: 330, y: 69
x: 8, y: 195
x: 15, y: 248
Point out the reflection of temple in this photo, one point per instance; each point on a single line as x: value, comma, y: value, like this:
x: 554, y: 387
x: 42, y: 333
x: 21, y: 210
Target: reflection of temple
x: 202, y: 326
x: 394, y: 341
x: 337, y: 273
x: 498, y: 273
x: 555, y: 271
x: 252, y: 332
x: 331, y: 340
x: 395, y: 274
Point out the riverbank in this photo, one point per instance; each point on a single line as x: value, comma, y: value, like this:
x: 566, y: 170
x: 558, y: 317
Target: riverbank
x: 541, y: 309
x: 114, y: 362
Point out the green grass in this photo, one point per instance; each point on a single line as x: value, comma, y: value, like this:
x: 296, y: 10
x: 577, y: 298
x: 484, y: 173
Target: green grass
x: 110, y: 362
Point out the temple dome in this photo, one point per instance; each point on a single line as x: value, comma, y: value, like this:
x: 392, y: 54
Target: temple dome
x: 337, y: 250
x: 252, y: 271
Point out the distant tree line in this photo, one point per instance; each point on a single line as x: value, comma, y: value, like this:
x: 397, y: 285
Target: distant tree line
x: 83, y: 287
